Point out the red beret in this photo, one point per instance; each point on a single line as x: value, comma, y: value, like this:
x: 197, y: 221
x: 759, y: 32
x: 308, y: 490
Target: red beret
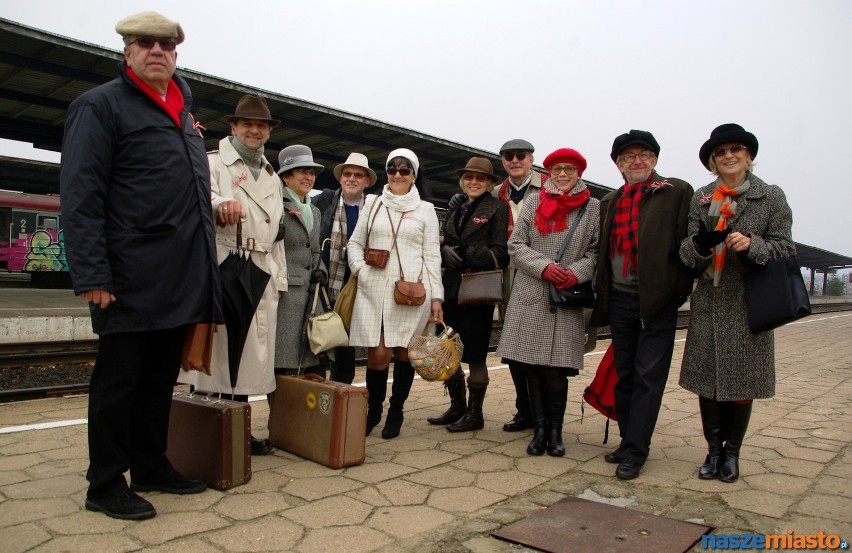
x: 566, y: 155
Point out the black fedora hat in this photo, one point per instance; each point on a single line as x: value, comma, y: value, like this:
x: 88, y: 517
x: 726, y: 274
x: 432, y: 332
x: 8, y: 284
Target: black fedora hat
x: 729, y: 133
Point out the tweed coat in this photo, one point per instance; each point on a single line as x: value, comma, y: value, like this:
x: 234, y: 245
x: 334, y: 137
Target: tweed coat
x: 556, y: 336
x: 484, y: 232
x: 418, y: 249
x: 262, y: 201
x: 303, y: 258
x: 721, y: 355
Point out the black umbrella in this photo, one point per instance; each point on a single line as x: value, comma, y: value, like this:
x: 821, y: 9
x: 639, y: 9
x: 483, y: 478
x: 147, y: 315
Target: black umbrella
x: 243, y: 284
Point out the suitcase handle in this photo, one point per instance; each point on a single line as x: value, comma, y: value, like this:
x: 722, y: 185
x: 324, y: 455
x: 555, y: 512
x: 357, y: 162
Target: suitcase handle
x: 314, y: 377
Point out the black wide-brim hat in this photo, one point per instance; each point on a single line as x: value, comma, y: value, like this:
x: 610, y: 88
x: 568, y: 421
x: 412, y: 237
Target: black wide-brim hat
x: 729, y: 133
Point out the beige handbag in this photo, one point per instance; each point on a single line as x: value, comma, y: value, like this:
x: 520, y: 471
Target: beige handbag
x: 325, y: 331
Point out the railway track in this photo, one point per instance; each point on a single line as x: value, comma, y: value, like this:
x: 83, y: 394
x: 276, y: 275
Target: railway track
x: 55, y: 356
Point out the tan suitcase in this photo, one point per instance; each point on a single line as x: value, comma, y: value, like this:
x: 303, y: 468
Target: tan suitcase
x: 318, y: 419
x: 210, y: 439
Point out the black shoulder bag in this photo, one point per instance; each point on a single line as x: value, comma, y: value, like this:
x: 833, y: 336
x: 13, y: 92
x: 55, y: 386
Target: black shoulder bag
x: 582, y: 295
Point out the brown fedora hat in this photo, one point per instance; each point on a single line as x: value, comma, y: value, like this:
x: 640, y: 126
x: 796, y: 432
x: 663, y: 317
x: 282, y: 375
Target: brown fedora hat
x: 252, y: 107
x: 479, y: 165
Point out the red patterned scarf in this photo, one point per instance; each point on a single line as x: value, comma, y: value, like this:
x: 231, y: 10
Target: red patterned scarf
x: 722, y: 208
x: 173, y: 103
x: 624, y: 237
x: 551, y: 215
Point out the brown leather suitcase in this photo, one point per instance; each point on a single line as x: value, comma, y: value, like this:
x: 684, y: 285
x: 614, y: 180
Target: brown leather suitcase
x: 210, y: 439
x: 318, y: 419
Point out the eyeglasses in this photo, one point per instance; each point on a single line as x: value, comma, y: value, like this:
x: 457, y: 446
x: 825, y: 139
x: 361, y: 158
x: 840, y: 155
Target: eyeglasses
x: 306, y: 171
x: 356, y: 174
x: 476, y: 177
x: 509, y: 156
x: 722, y: 152
x: 147, y: 42
x: 557, y: 169
x: 404, y: 171
x: 630, y: 158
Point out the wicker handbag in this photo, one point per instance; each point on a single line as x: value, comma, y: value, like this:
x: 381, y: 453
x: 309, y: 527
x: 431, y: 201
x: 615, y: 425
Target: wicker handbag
x: 436, y: 358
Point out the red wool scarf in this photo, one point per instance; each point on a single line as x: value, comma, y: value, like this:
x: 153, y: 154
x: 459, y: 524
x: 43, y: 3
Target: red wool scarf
x: 174, y: 102
x: 551, y: 215
x: 624, y: 238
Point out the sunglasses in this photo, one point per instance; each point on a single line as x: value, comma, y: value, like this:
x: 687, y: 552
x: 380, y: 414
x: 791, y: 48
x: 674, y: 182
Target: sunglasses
x: 404, y: 171
x: 147, y: 42
x: 509, y: 156
x: 722, y: 152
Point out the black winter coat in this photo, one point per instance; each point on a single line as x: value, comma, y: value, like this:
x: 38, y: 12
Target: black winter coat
x: 135, y: 193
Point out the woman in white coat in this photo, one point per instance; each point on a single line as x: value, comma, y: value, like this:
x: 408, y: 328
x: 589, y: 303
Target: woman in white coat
x: 244, y: 187
x: 378, y: 323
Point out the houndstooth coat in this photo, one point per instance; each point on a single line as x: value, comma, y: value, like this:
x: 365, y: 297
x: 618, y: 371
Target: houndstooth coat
x: 418, y: 248
x: 534, y: 332
x: 721, y: 354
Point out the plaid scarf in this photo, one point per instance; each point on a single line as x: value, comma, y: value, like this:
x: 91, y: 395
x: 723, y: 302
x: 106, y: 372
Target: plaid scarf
x: 337, y: 257
x: 721, y: 209
x: 551, y: 215
x: 172, y: 105
x: 503, y: 196
x: 624, y: 238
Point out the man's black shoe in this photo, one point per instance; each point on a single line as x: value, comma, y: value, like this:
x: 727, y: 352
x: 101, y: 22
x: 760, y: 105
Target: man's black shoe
x: 517, y: 424
x: 260, y: 446
x: 173, y: 483
x: 614, y: 456
x: 628, y: 469
x: 120, y: 503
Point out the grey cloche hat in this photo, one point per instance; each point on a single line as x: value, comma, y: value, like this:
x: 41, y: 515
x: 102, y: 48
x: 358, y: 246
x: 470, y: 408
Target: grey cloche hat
x: 149, y: 24
x: 295, y: 156
x: 356, y: 160
x: 517, y: 145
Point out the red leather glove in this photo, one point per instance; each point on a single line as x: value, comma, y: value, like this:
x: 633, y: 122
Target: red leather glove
x: 571, y: 282
x: 555, y: 274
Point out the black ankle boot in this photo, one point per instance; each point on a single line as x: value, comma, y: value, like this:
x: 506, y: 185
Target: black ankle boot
x: 556, y: 401
x: 535, y: 385
x: 711, y: 422
x: 736, y: 417
x: 455, y: 388
x: 377, y: 389
x: 472, y: 419
x: 403, y: 377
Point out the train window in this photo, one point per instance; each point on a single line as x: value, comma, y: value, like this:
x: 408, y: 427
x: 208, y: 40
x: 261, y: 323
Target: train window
x: 48, y: 223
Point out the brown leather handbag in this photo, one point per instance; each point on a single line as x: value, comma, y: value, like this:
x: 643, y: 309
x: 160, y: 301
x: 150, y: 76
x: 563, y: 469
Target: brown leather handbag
x: 406, y: 292
x: 372, y: 256
x: 482, y: 287
x: 198, y: 347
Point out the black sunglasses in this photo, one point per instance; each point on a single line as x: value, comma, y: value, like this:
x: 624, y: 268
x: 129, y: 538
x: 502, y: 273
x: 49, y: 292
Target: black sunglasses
x: 509, y: 156
x: 147, y: 42
x: 404, y: 171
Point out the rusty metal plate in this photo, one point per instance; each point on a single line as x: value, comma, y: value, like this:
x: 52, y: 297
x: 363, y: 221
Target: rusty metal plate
x: 578, y: 525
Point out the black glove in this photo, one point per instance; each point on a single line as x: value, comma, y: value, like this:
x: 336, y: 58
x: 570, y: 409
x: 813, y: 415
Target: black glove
x: 319, y: 276
x: 456, y: 202
x: 705, y: 240
x: 452, y: 260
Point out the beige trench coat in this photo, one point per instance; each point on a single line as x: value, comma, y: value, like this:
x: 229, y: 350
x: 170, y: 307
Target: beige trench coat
x: 262, y: 200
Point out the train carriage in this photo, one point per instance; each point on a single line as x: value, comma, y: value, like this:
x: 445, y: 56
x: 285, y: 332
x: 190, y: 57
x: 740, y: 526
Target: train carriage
x: 32, y: 240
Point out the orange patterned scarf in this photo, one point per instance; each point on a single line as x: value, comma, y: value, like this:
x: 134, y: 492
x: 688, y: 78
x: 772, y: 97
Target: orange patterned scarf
x: 722, y: 208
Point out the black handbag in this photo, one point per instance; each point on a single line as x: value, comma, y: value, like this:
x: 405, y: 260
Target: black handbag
x: 776, y: 294
x: 482, y: 287
x: 581, y: 295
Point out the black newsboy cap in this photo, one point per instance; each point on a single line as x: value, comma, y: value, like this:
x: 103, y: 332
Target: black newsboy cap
x: 632, y: 138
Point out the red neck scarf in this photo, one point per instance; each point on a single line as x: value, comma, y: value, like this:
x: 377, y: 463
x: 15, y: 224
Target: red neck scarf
x: 551, y: 215
x: 174, y: 102
x: 624, y: 237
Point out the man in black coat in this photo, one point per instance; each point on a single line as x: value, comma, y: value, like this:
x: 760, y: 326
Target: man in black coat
x: 140, y: 242
x: 340, y: 210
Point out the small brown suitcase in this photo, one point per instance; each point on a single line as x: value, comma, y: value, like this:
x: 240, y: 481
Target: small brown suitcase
x: 210, y: 439
x: 318, y: 419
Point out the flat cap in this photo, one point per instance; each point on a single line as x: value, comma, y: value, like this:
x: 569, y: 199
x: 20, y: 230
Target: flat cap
x: 150, y: 24
x: 517, y: 145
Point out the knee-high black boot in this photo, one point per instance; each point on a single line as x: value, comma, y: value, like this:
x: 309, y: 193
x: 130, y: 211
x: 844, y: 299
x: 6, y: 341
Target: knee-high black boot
x: 377, y: 389
x: 472, y: 419
x: 735, y: 419
x: 711, y: 422
x: 535, y: 384
x: 556, y: 400
x: 458, y: 405
x: 403, y: 377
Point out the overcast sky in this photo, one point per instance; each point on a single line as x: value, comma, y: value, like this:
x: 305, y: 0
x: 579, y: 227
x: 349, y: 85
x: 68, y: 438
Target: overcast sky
x: 558, y: 73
